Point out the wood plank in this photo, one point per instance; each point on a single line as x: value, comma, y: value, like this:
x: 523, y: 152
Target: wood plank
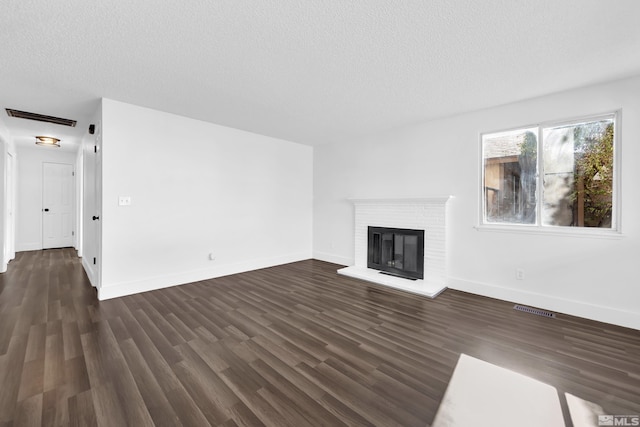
x: 289, y: 345
x: 29, y: 411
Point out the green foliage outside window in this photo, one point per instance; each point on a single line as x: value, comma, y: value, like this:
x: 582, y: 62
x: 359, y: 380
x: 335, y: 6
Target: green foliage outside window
x: 594, y: 169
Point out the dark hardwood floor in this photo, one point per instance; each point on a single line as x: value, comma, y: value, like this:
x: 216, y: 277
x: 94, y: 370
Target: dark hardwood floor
x: 290, y: 345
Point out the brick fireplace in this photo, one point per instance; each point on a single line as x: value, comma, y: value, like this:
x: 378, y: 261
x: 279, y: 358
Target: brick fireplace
x: 428, y: 214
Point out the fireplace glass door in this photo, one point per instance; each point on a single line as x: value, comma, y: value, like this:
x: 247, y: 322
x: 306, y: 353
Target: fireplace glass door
x: 396, y: 251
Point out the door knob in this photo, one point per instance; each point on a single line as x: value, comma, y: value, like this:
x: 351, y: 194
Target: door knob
x: 46, y: 209
x: 95, y: 217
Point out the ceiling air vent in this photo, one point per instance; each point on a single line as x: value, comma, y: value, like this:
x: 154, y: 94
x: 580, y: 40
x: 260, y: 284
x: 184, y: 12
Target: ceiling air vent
x: 40, y: 117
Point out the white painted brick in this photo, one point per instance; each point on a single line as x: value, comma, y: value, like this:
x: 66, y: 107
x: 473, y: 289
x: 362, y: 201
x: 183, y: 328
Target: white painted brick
x: 427, y: 214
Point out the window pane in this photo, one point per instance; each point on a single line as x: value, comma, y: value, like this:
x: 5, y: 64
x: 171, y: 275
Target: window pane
x: 578, y: 174
x: 510, y: 173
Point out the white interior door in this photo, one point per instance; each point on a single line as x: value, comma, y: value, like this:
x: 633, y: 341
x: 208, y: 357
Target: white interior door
x: 57, y: 205
x: 92, y: 201
x: 97, y: 261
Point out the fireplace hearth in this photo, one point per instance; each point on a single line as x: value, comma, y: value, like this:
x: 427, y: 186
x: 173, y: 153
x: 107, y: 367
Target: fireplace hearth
x: 396, y: 251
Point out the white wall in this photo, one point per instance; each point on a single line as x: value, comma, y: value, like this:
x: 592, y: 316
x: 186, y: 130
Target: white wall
x: 79, y: 166
x: 196, y: 188
x: 584, y: 276
x: 29, y: 193
x: 7, y: 218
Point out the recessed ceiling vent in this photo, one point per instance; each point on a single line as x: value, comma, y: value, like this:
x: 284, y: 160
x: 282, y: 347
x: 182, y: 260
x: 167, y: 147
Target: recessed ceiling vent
x: 40, y: 117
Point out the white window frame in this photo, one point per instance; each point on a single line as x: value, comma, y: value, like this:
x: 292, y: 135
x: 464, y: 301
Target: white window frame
x: 538, y: 228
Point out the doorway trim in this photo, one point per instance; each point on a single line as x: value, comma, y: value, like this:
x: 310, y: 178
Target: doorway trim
x: 58, y: 205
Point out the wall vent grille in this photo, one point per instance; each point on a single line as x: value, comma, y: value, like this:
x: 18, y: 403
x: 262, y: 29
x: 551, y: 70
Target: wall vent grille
x: 40, y: 117
x: 535, y: 311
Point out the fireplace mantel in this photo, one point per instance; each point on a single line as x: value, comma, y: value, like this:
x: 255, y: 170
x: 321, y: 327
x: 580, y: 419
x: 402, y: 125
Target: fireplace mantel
x: 425, y: 213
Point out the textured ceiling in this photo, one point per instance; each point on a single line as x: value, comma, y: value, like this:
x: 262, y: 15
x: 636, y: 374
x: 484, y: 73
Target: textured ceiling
x: 313, y: 72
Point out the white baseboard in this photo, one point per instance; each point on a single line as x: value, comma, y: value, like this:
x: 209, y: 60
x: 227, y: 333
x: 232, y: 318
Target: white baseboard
x: 628, y: 319
x: 24, y: 247
x: 335, y: 259
x: 159, y: 282
x: 88, y: 268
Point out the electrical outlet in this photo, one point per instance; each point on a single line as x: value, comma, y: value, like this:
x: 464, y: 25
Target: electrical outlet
x: 519, y: 274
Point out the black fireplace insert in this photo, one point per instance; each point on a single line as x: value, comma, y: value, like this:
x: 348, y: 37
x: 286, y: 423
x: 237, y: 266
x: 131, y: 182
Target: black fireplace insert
x: 396, y: 251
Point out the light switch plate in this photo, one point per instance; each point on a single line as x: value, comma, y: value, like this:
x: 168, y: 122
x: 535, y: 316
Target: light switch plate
x: 124, y: 201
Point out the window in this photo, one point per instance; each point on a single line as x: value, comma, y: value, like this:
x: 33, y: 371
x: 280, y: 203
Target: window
x: 553, y: 175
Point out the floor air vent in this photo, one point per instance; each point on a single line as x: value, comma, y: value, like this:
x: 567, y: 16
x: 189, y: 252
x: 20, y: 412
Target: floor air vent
x: 40, y: 117
x: 535, y: 311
